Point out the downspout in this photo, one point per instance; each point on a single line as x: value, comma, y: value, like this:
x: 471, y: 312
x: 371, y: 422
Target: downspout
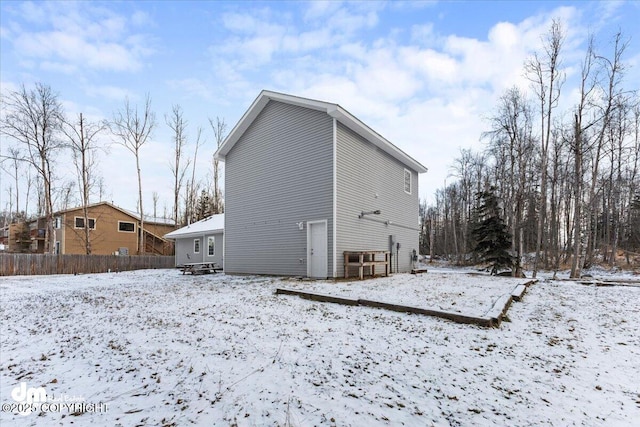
x: 335, y: 199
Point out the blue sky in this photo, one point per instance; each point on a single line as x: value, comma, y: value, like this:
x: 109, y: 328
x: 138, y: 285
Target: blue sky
x: 423, y: 74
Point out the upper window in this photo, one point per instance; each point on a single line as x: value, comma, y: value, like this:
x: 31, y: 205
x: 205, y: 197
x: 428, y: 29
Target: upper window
x: 79, y: 223
x: 128, y: 227
x: 407, y: 181
x: 211, y: 244
x: 196, y: 246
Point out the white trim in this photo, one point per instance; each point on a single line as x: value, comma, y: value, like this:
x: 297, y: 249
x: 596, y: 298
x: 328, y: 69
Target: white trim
x: 125, y: 231
x: 326, y: 267
x: 335, y: 199
x: 404, y: 181
x: 194, y: 246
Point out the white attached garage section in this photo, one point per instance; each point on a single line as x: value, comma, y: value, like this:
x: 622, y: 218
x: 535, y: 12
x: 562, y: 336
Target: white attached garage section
x: 202, y: 241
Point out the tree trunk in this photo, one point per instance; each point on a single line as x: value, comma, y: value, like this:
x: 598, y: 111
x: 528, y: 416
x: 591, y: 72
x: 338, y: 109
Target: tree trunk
x: 577, y: 213
x: 432, y: 240
x: 141, y: 242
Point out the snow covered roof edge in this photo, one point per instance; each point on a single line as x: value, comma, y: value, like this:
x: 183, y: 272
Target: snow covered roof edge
x: 211, y: 224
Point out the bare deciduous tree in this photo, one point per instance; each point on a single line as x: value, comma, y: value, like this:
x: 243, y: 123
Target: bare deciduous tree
x: 82, y: 139
x: 11, y: 164
x: 155, y: 197
x: 511, y: 134
x: 192, y: 191
x: 219, y: 132
x: 132, y: 129
x: 611, y: 99
x: 33, y: 120
x: 546, y: 80
x: 178, y: 168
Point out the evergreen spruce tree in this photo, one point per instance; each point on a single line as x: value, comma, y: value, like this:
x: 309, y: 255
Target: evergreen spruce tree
x: 492, y: 240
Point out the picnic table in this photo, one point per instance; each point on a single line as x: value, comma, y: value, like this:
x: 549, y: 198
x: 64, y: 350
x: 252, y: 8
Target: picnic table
x: 201, y: 268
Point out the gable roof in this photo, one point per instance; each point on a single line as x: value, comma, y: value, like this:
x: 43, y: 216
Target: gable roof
x: 333, y: 110
x: 211, y: 224
x: 147, y: 219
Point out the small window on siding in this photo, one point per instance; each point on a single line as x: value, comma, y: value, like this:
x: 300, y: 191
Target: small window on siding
x: 196, y: 246
x: 128, y: 227
x: 407, y: 181
x: 211, y: 244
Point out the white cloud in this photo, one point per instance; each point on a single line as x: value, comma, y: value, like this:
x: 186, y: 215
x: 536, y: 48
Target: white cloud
x: 113, y: 93
x: 59, y: 67
x: 70, y: 37
x: 34, y: 12
x: 191, y: 87
x: 141, y: 19
x: 429, y: 95
x: 423, y: 34
x: 348, y: 22
x: 434, y: 67
x: 306, y: 41
x: 258, y: 36
x: 320, y: 9
x: 74, y: 51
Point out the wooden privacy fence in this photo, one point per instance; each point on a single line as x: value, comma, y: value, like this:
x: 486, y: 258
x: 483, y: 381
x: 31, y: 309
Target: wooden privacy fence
x: 43, y: 264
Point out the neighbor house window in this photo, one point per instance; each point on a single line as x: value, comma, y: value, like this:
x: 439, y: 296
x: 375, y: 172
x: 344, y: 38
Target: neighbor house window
x: 57, y: 223
x: 211, y: 244
x: 79, y: 223
x: 128, y: 227
x: 407, y: 181
x: 196, y: 246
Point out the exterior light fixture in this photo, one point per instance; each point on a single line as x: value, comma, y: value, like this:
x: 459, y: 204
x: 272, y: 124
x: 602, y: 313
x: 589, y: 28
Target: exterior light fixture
x: 376, y: 212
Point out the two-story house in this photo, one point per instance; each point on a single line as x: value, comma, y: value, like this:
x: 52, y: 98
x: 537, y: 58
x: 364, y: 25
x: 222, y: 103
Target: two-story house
x: 306, y: 181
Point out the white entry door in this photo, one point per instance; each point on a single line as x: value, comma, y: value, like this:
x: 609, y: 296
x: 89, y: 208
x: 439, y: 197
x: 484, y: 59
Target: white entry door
x: 317, y: 249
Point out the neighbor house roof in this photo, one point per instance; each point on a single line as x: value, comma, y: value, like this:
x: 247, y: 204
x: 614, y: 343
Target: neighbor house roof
x: 212, y: 224
x: 333, y: 110
x: 132, y: 214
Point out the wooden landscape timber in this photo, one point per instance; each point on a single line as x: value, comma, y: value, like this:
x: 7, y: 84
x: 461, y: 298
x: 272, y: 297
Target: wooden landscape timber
x: 491, y: 319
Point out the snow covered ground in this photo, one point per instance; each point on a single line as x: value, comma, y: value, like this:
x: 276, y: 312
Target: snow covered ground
x: 160, y: 348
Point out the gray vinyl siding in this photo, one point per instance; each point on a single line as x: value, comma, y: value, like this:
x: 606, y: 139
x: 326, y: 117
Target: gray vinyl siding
x: 185, y: 254
x: 278, y: 174
x: 369, y: 179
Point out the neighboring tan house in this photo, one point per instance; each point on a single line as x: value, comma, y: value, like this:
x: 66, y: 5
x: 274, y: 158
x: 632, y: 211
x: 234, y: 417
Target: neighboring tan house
x: 306, y: 181
x: 15, y: 237
x: 202, y: 241
x: 113, y: 231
